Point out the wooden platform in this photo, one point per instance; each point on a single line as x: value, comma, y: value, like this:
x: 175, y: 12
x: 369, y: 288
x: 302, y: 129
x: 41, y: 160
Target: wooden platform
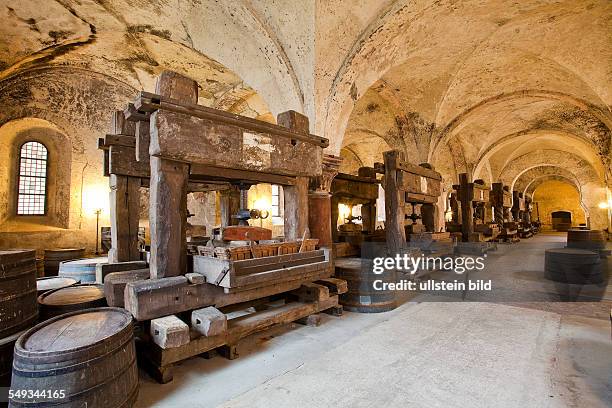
x: 295, y: 306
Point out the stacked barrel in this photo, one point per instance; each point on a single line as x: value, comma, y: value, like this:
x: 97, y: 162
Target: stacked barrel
x: 593, y: 240
x: 18, y: 307
x: 54, y: 257
x: 80, y: 359
x: 575, y: 266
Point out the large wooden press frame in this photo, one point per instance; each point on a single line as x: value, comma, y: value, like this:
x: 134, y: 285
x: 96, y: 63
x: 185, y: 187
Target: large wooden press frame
x: 175, y: 145
x: 406, y: 183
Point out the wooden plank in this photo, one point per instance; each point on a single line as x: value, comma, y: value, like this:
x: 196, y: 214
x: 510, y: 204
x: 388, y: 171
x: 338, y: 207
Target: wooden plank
x: 124, y: 217
x: 211, y: 173
x: 168, y: 217
x: 148, y: 102
x: 268, y: 276
x: 275, y: 263
x: 418, y: 170
x: 308, y: 277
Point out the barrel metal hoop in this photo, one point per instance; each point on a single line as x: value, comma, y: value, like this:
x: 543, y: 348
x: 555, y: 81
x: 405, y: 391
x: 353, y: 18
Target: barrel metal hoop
x: 70, y: 368
x: 76, y: 396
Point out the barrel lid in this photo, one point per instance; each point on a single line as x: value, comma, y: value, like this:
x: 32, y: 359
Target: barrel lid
x: 86, y: 261
x: 16, y: 255
x: 72, y: 295
x: 64, y: 249
x: 54, y: 282
x: 75, y: 330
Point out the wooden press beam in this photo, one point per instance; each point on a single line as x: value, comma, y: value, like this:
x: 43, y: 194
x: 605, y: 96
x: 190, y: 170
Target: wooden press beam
x: 394, y: 204
x: 168, y: 191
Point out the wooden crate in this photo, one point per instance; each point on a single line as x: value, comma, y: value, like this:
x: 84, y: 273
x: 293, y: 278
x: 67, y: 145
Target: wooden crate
x: 309, y: 244
x: 230, y: 273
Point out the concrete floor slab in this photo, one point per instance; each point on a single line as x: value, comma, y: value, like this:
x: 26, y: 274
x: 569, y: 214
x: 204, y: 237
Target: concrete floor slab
x: 444, y: 354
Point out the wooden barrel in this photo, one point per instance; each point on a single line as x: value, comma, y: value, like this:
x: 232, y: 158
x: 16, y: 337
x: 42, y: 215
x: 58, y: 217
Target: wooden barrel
x: 53, y: 257
x: 52, y: 283
x: 73, y: 298
x: 83, y: 270
x: 89, y: 355
x: 18, y: 307
x: 570, y: 265
x: 7, y: 345
x: 586, y: 239
x: 361, y: 296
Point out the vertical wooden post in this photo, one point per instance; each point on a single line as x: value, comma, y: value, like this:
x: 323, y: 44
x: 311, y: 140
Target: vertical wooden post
x: 296, y: 197
x: 168, y: 217
x: 394, y: 204
x: 466, y: 193
x: 296, y: 208
x: 368, y: 211
x: 124, y: 203
x: 124, y: 217
x: 230, y: 204
x: 168, y: 191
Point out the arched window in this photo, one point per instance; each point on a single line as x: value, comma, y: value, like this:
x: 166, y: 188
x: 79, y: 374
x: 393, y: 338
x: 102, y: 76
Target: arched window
x: 32, y: 182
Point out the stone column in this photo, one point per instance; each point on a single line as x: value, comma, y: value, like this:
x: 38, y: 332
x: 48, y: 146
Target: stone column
x: 319, y: 201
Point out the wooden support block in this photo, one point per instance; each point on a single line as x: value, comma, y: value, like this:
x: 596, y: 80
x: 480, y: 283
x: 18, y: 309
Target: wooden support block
x: 208, y: 321
x: 102, y: 270
x: 176, y: 86
x: 195, y: 278
x: 114, y: 285
x: 229, y: 351
x: 309, y: 292
x: 293, y: 120
x: 336, y: 286
x: 124, y: 216
x: 312, y: 320
x: 169, y: 332
x: 334, y: 310
x: 168, y: 217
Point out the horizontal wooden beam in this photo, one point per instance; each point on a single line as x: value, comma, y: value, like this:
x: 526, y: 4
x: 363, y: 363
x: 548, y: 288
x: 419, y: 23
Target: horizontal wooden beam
x: 209, y: 173
x: 149, y: 102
